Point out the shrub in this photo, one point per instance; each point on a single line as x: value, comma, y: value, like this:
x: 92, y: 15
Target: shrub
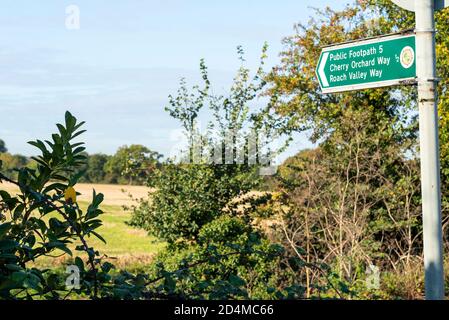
x: 206, y: 212
x: 42, y: 220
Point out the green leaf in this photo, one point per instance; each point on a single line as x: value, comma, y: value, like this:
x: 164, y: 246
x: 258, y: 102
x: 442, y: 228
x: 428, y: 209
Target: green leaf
x: 8, y: 244
x: 74, y: 180
x: 66, y: 250
x: 106, y: 267
x: 59, y: 245
x: 70, y: 121
x: 61, y: 129
x: 5, y: 195
x: 236, y: 281
x: 98, y: 236
x: 54, y: 186
x: 78, y: 133
x: 79, y: 263
x: 79, y: 125
x: 40, y: 145
x: 13, y: 267
x: 19, y: 277
x: 4, y: 228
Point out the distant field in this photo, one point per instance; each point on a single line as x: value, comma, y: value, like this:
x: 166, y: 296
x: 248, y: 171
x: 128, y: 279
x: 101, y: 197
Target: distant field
x: 113, y: 194
x: 125, y: 245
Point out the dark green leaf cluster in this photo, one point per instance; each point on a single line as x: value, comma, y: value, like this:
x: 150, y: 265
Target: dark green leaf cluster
x: 39, y: 221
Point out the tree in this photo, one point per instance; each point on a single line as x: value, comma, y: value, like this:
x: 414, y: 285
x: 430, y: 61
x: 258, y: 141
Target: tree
x: 132, y: 164
x: 95, y: 169
x: 354, y: 201
x: 203, y: 205
x: 13, y: 162
x: 3, y: 146
x: 400, y: 20
x: 192, y: 194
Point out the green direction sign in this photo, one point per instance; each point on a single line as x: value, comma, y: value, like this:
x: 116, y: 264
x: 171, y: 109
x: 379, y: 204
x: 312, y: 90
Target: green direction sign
x: 372, y: 63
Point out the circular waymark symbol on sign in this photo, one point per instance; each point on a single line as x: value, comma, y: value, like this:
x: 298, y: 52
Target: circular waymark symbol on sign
x: 407, y: 57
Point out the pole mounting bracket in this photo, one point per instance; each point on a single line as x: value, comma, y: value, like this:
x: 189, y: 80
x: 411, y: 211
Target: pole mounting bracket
x: 436, y: 80
x: 432, y: 30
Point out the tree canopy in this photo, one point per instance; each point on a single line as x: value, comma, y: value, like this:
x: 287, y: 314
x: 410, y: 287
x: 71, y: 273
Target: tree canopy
x: 3, y: 146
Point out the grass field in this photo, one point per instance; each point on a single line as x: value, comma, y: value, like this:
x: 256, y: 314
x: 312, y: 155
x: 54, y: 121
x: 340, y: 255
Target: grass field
x: 126, y: 246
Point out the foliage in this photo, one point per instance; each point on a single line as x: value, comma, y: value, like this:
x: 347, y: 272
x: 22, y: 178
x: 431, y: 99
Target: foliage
x: 354, y: 201
x: 44, y: 220
x: 132, y: 164
x: 401, y: 19
x: 95, y: 169
x: 203, y: 209
x: 3, y: 148
x: 25, y: 233
x: 190, y: 195
x: 242, y: 266
x: 12, y: 162
x: 187, y: 197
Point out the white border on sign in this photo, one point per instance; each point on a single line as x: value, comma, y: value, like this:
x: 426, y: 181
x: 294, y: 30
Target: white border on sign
x: 369, y: 85
x: 362, y: 42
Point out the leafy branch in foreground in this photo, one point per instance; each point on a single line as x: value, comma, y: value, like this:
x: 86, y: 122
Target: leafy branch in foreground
x: 38, y: 221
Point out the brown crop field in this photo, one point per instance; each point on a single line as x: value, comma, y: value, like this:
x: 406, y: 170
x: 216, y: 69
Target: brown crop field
x: 117, y: 195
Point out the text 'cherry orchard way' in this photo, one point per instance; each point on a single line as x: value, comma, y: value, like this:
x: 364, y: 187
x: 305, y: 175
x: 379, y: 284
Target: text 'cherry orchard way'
x: 367, y: 64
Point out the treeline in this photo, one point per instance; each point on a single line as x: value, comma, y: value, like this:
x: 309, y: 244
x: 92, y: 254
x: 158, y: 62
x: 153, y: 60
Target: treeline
x: 129, y: 165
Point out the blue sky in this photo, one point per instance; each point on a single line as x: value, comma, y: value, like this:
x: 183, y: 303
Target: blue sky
x: 117, y: 70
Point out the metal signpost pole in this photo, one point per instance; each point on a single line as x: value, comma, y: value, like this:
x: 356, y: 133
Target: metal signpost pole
x: 430, y: 163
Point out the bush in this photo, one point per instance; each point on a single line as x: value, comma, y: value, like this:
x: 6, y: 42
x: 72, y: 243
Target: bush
x: 44, y: 219
x: 94, y: 169
x: 131, y: 165
x: 187, y: 197
x: 12, y: 162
